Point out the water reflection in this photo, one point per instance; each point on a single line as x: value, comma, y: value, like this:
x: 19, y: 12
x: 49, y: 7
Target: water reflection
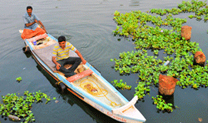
x: 134, y: 3
x: 168, y: 98
x: 27, y: 54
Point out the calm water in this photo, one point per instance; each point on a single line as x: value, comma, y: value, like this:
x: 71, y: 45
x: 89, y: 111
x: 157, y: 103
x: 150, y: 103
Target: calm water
x: 88, y: 25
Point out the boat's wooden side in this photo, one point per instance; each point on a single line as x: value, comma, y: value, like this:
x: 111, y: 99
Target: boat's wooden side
x: 90, y: 86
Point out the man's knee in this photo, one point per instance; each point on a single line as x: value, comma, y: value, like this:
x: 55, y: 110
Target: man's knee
x: 78, y: 60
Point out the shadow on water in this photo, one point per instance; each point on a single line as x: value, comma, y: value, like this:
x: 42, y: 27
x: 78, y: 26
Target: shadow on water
x: 72, y: 99
x: 168, y: 98
x: 27, y: 52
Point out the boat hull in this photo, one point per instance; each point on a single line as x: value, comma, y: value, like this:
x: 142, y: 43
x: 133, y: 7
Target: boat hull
x: 86, y: 97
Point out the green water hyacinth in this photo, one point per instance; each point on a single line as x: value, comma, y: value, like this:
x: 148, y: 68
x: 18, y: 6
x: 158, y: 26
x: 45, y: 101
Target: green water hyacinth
x: 206, y: 18
x: 19, y: 79
x: 116, y: 13
x: 155, y: 33
x: 161, y: 104
x: 141, y: 90
x: 20, y: 106
x: 156, y: 52
x: 199, y: 7
x: 121, y: 84
x: 191, y: 16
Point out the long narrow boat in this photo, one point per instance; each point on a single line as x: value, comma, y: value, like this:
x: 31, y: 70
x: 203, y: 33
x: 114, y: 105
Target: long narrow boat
x: 87, y: 84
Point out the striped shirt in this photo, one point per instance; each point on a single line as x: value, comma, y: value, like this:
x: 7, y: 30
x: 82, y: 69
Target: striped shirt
x: 62, y: 54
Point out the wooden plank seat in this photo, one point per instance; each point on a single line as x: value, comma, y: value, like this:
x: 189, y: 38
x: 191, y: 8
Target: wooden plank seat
x: 80, y: 75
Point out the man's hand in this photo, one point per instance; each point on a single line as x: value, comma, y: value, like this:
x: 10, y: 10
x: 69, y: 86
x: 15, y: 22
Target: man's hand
x: 80, y: 55
x: 35, y: 21
x: 44, y: 29
x: 58, y: 66
x: 29, y: 24
x: 42, y: 26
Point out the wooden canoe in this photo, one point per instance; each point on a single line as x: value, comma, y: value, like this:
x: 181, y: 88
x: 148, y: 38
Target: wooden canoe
x: 87, y: 84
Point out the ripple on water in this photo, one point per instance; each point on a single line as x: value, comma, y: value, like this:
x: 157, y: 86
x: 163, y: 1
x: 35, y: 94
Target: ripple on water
x: 95, y: 41
x: 9, y: 50
x: 92, y: 40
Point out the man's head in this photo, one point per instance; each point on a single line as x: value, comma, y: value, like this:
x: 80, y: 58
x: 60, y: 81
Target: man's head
x: 62, y: 41
x: 29, y: 10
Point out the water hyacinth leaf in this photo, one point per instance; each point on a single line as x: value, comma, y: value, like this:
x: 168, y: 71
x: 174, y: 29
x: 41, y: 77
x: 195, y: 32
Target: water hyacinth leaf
x: 19, y: 79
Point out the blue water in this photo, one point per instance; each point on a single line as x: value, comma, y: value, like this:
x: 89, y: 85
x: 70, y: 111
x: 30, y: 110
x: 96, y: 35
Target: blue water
x: 88, y: 25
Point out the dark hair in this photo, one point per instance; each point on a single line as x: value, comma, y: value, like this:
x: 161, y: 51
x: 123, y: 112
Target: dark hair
x: 29, y: 7
x: 61, y: 38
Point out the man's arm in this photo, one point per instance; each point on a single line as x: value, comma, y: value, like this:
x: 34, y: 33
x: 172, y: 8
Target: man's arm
x: 42, y: 25
x: 55, y: 62
x: 29, y: 24
x: 80, y: 55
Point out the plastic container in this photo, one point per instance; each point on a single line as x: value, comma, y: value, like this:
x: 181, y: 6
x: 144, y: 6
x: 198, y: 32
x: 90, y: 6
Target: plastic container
x: 166, y: 63
x: 34, y: 42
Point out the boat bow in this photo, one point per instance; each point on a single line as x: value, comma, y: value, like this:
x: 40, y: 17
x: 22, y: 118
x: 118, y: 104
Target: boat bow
x: 130, y: 111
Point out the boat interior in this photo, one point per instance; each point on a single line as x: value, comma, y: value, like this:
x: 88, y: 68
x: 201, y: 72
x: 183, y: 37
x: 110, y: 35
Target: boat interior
x: 99, y: 89
x: 91, y: 83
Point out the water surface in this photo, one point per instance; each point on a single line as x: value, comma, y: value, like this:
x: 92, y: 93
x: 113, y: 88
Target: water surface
x: 88, y: 25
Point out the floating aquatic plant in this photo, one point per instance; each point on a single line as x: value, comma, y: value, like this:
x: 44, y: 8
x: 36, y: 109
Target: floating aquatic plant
x: 20, y: 106
x: 161, y: 104
x: 121, y: 84
x: 199, y: 7
x: 19, y: 79
x: 141, y: 90
x: 137, y: 25
x: 156, y: 52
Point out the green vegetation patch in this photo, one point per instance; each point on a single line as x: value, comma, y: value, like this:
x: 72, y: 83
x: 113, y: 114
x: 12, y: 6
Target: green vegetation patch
x: 19, y: 79
x: 161, y: 104
x: 149, y: 32
x: 20, y: 106
x: 120, y: 84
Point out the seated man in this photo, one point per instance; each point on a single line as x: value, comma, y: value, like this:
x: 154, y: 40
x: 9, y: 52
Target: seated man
x: 61, y: 57
x: 31, y: 25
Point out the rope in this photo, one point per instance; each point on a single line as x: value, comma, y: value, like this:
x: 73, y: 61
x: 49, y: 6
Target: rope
x: 58, y: 79
x: 87, y: 84
x: 58, y: 82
